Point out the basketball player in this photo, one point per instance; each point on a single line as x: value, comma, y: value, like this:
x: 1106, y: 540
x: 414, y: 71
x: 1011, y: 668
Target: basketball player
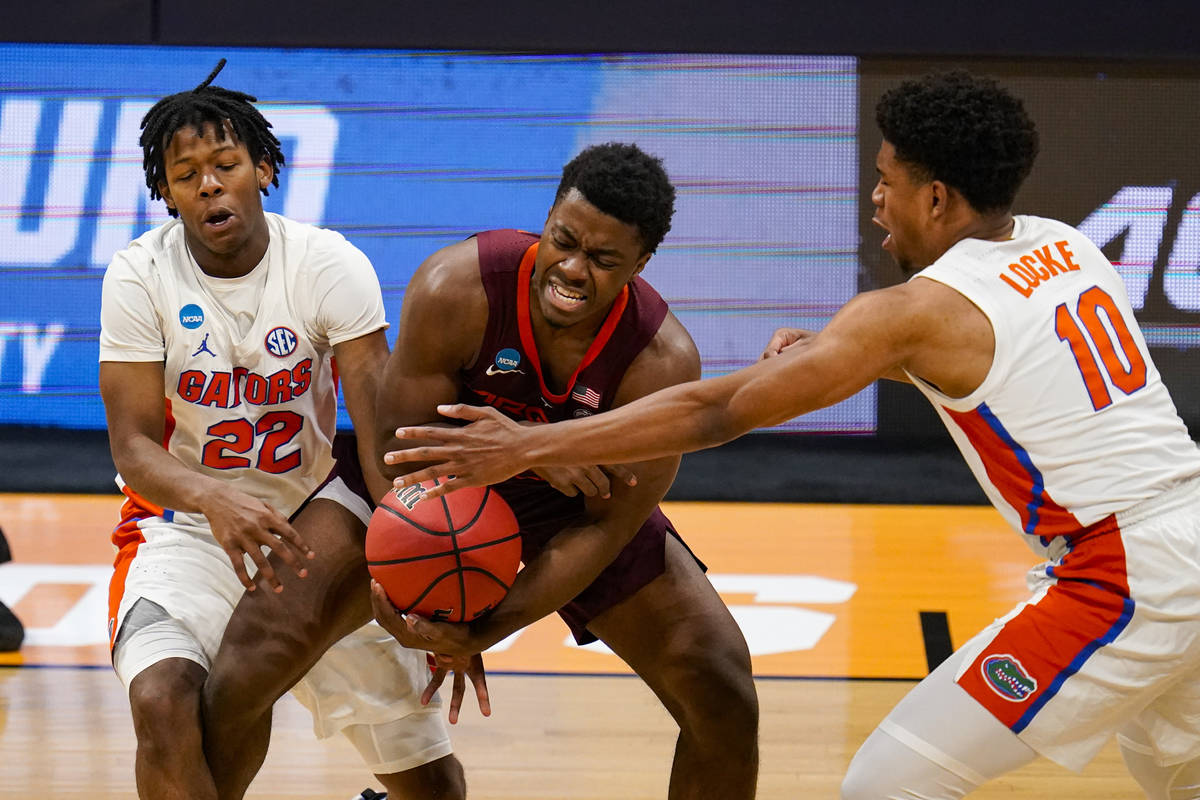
x: 1020, y: 333
x: 233, y: 315
x: 557, y: 327
x: 12, y: 632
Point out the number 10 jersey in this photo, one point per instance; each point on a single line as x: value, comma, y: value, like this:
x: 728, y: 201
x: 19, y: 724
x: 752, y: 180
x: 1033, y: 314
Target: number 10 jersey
x: 1072, y: 422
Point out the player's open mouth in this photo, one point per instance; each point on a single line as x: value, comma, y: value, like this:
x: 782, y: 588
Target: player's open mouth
x: 887, y: 240
x: 564, y: 297
x: 218, y: 219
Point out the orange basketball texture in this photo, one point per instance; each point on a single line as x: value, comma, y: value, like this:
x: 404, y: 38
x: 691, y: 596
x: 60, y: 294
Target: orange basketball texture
x: 451, y: 558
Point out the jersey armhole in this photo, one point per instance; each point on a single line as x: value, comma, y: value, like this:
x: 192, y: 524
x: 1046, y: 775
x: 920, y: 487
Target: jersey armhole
x: 996, y: 371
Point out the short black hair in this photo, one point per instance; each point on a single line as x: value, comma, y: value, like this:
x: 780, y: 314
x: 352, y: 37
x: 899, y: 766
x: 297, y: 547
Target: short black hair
x: 624, y: 182
x: 196, y: 108
x: 963, y: 130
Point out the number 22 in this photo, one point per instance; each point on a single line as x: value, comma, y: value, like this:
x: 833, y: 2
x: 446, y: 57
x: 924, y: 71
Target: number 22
x: 237, y: 436
x: 1127, y: 379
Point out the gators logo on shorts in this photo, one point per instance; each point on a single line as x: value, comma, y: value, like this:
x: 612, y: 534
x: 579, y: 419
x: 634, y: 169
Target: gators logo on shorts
x: 1008, y: 677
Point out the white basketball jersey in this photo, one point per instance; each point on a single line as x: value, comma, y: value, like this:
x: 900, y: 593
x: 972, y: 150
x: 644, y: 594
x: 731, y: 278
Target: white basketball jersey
x: 259, y: 407
x: 1072, y: 422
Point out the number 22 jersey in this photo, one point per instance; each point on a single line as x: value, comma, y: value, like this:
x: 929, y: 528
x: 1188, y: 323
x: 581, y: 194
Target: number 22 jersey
x: 1072, y: 422
x: 249, y: 379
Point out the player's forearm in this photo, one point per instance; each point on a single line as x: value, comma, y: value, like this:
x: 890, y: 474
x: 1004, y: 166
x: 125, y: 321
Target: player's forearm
x: 150, y: 470
x: 567, y: 565
x: 680, y: 419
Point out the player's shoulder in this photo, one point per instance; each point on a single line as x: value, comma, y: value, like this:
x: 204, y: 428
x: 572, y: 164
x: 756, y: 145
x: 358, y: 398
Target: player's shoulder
x: 313, y: 241
x: 449, y: 270
x: 669, y: 358
x: 147, y: 255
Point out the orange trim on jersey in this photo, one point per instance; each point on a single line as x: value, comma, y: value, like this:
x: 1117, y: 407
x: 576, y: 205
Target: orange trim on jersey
x: 1040, y: 648
x: 1013, y: 473
x: 127, y: 537
x: 525, y: 326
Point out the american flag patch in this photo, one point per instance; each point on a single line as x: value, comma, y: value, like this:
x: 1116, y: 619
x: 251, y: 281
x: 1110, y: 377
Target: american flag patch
x: 589, y: 397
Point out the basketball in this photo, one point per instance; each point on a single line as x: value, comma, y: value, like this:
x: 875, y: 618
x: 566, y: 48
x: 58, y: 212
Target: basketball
x: 451, y: 558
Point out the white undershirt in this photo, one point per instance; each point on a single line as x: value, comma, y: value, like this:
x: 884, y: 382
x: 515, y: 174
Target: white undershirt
x: 239, y: 297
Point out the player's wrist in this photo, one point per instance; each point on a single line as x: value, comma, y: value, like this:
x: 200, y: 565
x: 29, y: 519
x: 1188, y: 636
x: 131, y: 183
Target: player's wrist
x: 534, y: 447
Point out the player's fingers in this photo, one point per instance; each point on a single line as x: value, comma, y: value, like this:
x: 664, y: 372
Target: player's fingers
x: 431, y: 688
x: 288, y: 545
x: 622, y: 473
x: 386, y: 614
x: 456, y: 696
x: 568, y: 488
x: 584, y: 479
x: 598, y: 478
x: 265, y: 569
x: 420, y: 628
x: 284, y: 530
x: 467, y: 412
x: 479, y: 682
x: 419, y: 476
x: 239, y: 566
x: 446, y: 485
x: 425, y: 452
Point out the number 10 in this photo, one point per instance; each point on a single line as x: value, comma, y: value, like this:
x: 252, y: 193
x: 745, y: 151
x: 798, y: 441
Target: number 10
x: 1128, y: 380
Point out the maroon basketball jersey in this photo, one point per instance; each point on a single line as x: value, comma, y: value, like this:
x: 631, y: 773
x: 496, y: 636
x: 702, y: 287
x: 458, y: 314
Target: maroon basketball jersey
x: 508, y: 372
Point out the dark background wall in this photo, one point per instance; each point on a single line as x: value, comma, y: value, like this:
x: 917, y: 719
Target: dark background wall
x: 1152, y: 29
x: 915, y: 463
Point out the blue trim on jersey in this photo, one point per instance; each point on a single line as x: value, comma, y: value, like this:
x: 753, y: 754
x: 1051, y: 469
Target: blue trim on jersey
x: 1038, y: 484
x: 168, y: 514
x: 1074, y: 666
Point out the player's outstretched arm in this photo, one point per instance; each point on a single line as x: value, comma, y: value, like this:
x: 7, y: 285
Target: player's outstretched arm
x: 872, y: 336
x: 133, y: 402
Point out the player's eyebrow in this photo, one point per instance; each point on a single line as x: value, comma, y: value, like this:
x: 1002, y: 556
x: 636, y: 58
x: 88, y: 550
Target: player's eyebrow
x: 602, y: 251
x: 188, y: 158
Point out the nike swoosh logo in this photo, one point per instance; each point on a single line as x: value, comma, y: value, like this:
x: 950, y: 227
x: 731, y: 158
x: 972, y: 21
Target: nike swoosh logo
x: 491, y: 370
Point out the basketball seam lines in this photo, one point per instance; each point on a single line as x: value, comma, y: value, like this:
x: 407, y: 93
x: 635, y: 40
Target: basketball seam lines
x: 444, y: 553
x: 450, y: 522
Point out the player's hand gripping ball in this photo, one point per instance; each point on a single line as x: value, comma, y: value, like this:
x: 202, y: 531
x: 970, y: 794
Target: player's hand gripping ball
x: 451, y: 558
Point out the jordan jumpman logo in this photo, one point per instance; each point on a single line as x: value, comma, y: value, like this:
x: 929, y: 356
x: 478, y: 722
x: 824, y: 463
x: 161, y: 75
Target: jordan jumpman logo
x: 203, y: 348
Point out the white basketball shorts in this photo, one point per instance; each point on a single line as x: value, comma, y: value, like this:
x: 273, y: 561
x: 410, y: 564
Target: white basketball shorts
x: 366, y: 686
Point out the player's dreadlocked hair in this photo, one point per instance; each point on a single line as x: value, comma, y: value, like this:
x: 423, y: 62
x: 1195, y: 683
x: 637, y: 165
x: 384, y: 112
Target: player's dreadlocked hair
x: 624, y: 182
x: 962, y: 130
x: 202, y: 106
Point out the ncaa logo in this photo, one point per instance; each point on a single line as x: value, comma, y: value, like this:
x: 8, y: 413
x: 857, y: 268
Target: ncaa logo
x: 506, y: 361
x: 281, y: 341
x: 191, y: 316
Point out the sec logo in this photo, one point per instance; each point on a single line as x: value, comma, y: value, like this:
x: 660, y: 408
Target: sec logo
x: 281, y: 341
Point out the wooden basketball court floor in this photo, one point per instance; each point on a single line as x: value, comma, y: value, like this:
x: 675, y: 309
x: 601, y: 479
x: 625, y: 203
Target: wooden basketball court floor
x: 830, y: 598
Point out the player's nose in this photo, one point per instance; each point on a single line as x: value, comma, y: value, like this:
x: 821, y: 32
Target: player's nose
x: 210, y: 184
x: 574, y: 266
x: 877, y: 195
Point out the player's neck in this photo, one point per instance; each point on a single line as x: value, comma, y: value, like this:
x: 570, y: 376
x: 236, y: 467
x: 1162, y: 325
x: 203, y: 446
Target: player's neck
x: 235, y: 264
x: 562, y: 347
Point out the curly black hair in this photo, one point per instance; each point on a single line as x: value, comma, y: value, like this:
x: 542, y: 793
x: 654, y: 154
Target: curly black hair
x: 205, y: 105
x: 963, y: 130
x: 624, y: 182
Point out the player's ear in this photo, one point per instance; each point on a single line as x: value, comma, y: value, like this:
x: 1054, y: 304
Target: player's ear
x: 641, y: 264
x: 165, y: 191
x: 939, y: 194
x: 266, y: 173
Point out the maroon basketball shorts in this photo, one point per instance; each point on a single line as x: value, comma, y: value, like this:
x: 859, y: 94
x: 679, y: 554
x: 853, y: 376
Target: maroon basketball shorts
x: 543, y: 511
x: 347, y: 468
